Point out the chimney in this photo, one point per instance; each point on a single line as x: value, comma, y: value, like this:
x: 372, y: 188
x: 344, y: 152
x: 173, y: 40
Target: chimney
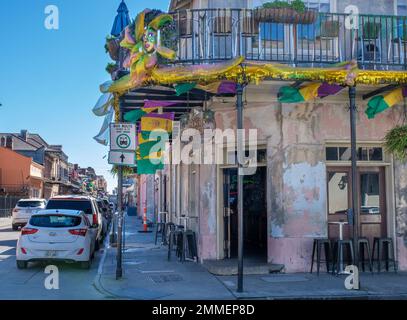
x: 23, y: 134
x: 9, y: 142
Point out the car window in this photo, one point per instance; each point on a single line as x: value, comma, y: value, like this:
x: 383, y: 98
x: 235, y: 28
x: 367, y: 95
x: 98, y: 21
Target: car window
x: 86, y: 220
x: 29, y: 204
x: 55, y: 221
x: 80, y: 205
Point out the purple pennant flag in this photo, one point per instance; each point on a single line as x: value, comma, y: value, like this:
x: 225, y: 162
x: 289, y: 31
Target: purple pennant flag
x: 227, y: 87
x: 166, y: 115
x: 327, y: 89
x: 158, y: 103
x: 404, y: 91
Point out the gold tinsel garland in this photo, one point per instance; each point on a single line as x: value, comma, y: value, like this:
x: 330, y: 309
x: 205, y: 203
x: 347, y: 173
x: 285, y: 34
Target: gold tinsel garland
x: 238, y: 70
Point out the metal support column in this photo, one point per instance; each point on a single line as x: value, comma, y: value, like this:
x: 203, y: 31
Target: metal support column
x: 355, y: 211
x: 239, y: 107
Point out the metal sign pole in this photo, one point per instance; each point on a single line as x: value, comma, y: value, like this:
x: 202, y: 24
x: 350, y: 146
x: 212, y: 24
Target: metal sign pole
x: 119, y: 271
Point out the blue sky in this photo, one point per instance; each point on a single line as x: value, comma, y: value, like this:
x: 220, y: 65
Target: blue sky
x: 49, y: 79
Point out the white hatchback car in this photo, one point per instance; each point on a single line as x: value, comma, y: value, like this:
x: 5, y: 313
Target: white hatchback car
x: 24, y: 209
x: 56, y: 235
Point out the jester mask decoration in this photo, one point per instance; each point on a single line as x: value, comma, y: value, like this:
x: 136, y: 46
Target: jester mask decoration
x: 144, y: 46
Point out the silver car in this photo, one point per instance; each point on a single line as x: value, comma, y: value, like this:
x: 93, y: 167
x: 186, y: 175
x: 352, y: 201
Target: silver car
x: 24, y: 209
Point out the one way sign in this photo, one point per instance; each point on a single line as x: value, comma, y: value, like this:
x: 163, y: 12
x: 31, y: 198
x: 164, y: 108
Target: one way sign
x: 122, y: 158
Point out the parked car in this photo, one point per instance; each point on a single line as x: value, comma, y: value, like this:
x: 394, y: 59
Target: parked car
x: 23, y: 211
x: 83, y: 203
x: 107, y: 205
x: 61, y: 235
x: 105, y: 216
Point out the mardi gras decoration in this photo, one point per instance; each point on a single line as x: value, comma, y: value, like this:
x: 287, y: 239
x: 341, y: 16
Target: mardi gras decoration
x: 382, y: 102
x: 144, y: 45
x: 308, y: 92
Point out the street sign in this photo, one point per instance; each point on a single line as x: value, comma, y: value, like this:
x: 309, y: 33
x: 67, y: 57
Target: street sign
x: 122, y: 158
x: 123, y: 137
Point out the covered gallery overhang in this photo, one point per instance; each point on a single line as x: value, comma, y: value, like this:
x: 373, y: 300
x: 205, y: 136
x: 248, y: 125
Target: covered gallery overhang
x: 184, y: 103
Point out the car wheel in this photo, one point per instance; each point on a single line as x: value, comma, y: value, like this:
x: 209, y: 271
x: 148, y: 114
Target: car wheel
x: 15, y: 227
x: 22, y: 264
x: 86, y: 264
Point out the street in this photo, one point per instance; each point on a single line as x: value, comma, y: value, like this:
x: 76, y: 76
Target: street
x: 74, y: 283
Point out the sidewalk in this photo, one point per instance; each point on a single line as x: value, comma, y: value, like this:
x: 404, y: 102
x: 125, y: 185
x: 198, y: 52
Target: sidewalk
x: 5, y: 222
x: 149, y: 276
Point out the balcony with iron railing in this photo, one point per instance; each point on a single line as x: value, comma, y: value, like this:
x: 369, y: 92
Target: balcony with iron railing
x: 320, y: 39
x: 14, y: 189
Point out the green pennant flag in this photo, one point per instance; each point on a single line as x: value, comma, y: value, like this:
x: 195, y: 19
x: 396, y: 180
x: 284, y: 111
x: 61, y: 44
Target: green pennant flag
x: 145, y: 166
x: 184, y: 87
x: 134, y: 116
x: 380, y: 103
x: 145, y: 148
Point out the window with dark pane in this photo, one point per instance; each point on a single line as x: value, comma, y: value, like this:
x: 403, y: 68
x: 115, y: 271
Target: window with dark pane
x: 376, y: 154
x: 362, y: 154
x: 332, y: 154
x: 262, y: 155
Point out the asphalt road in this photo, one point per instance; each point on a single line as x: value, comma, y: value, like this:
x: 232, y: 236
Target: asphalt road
x: 29, y: 284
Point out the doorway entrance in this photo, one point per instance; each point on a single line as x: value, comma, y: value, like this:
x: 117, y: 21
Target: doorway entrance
x: 254, y: 214
x: 371, y: 195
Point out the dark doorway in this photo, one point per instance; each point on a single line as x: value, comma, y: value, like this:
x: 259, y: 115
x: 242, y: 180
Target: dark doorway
x: 254, y: 214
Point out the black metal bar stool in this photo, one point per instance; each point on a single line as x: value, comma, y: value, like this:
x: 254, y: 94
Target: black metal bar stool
x: 363, y: 243
x: 380, y: 244
x: 338, y: 252
x: 175, y: 242
x: 318, y: 243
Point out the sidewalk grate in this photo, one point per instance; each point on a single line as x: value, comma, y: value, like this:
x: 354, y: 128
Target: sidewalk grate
x: 162, y: 278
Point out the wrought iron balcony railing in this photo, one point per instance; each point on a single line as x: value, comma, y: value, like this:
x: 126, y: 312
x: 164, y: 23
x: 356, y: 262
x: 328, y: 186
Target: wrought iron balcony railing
x: 376, y: 42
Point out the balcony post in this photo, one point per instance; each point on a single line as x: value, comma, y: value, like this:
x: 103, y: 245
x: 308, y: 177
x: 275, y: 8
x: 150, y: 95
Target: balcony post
x: 353, y: 113
x: 240, y: 150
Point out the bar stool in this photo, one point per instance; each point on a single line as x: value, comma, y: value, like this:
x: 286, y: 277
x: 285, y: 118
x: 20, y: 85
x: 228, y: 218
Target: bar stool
x: 175, y: 243
x: 338, y: 252
x: 380, y: 243
x: 362, y: 244
x: 318, y: 243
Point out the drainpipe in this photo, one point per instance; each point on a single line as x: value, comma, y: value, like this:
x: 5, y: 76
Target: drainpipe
x: 353, y: 113
x: 240, y: 156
